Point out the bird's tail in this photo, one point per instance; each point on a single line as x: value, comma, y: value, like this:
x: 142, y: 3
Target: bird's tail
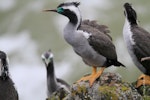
x: 113, y: 62
x: 117, y: 63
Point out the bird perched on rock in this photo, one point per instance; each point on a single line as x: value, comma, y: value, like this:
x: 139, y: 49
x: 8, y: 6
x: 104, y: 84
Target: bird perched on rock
x: 88, y: 39
x: 7, y: 88
x: 53, y: 83
x: 138, y: 43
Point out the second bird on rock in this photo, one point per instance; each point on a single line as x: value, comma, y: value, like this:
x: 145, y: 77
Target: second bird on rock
x: 138, y: 43
x: 53, y: 83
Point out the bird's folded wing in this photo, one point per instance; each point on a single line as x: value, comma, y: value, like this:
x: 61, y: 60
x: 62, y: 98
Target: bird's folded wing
x: 92, y: 23
x: 99, y: 41
x: 142, y: 44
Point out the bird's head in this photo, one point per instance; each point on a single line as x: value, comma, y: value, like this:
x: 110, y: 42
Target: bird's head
x: 3, y: 65
x: 68, y: 9
x: 47, y: 57
x: 130, y: 13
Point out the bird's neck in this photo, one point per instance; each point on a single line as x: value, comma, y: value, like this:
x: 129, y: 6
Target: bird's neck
x: 128, y: 25
x: 74, y: 20
x: 51, y: 78
x: 128, y: 34
x: 51, y: 70
x: 132, y: 21
x: 71, y: 29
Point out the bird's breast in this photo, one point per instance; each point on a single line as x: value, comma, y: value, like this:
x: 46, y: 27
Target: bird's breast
x: 89, y: 55
x: 129, y: 40
x: 128, y: 34
x: 81, y: 46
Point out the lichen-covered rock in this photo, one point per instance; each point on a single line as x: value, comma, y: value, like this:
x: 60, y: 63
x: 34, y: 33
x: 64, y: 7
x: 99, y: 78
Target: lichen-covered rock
x: 108, y: 87
x: 60, y: 94
x: 143, y: 90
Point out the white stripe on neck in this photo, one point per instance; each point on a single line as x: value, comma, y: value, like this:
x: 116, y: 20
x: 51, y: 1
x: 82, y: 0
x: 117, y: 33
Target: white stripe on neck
x: 127, y: 32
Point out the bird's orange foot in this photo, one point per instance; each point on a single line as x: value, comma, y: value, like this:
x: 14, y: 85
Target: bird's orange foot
x: 91, y: 78
x: 143, y: 80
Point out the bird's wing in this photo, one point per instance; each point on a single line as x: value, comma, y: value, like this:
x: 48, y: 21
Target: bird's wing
x: 100, y: 41
x: 62, y: 82
x: 142, y: 47
x: 102, y: 28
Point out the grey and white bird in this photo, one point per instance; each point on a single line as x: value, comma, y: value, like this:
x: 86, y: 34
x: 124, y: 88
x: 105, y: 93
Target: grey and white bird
x: 7, y: 88
x: 88, y: 39
x: 137, y: 40
x: 53, y: 83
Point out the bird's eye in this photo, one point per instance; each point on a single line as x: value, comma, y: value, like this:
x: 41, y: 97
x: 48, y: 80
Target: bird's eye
x: 60, y: 10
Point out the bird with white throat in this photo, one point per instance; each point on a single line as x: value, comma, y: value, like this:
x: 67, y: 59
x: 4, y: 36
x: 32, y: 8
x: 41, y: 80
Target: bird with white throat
x: 137, y: 40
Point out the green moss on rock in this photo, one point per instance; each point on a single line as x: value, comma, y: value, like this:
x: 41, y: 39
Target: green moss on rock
x: 60, y: 94
x: 143, y: 90
x: 108, y: 87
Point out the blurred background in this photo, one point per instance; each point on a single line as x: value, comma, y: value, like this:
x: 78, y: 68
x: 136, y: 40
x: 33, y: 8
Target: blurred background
x: 26, y: 32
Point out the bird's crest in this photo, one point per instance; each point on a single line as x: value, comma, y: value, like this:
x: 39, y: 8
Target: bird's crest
x: 76, y: 3
x: 69, y: 3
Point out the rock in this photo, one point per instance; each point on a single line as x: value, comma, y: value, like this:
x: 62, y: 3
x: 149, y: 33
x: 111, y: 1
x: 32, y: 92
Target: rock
x: 109, y: 86
x: 60, y: 94
x: 144, y: 91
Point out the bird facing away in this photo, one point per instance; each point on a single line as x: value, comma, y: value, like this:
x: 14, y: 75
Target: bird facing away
x: 138, y: 43
x: 7, y: 88
x: 89, y: 40
x: 53, y: 83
